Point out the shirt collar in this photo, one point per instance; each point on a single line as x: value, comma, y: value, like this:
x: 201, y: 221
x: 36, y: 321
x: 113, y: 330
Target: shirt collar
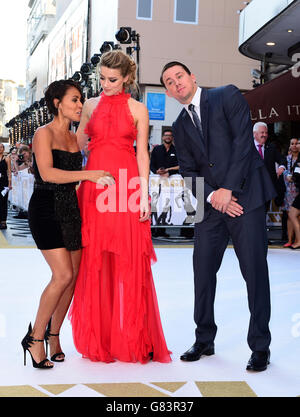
x: 257, y: 143
x: 196, y: 99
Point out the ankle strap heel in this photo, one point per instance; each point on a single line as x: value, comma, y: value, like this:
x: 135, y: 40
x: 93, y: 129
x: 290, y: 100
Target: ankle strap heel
x: 47, y: 335
x: 26, y: 343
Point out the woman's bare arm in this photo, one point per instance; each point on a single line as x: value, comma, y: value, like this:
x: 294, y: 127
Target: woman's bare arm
x: 142, y: 155
x: 42, y: 148
x: 87, y: 110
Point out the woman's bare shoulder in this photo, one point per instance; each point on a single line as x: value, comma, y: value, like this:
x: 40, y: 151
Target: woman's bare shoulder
x: 91, y: 104
x: 137, y: 108
x: 43, y: 131
x: 43, y: 136
x: 137, y: 104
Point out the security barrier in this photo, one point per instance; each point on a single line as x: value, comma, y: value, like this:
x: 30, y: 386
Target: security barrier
x: 172, y: 203
x: 22, y: 188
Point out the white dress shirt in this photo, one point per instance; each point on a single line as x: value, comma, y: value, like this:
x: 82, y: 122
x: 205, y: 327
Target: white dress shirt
x: 196, y: 102
x: 262, y: 148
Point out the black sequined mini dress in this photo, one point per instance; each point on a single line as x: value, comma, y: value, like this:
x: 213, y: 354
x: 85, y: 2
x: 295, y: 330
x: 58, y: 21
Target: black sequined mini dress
x: 53, y: 212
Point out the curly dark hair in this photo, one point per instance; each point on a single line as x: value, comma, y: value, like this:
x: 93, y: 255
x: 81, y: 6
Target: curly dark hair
x: 58, y: 89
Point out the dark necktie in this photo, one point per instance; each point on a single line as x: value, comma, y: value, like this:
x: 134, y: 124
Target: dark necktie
x: 260, y: 151
x: 196, y: 118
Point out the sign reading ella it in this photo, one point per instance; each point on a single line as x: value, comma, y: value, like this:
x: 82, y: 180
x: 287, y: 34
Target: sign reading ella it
x: 284, y: 113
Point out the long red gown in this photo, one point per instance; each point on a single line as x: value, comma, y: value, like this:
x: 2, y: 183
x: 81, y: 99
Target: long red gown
x: 114, y: 313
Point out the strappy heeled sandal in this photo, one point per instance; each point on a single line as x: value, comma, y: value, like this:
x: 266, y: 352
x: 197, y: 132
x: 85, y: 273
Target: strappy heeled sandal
x: 47, y: 335
x: 26, y: 343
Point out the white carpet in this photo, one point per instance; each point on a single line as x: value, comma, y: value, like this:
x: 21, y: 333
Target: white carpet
x: 24, y: 274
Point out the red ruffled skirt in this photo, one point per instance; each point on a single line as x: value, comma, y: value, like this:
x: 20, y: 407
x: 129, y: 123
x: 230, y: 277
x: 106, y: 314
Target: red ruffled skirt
x: 115, y: 313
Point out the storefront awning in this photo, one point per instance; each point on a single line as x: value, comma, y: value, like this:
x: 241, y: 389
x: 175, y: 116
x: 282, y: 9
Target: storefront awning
x: 277, y: 100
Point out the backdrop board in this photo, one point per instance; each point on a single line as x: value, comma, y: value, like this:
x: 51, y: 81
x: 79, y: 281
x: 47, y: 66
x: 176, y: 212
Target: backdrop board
x: 172, y: 203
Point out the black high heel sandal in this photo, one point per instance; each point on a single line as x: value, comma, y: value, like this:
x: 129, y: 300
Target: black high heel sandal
x: 47, y: 335
x: 27, y: 343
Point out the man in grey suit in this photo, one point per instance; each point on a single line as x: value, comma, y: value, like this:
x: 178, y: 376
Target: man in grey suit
x: 213, y: 139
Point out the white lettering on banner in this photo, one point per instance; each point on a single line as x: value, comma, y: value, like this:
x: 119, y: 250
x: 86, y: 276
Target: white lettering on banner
x: 260, y: 115
x: 292, y: 109
x: 296, y: 67
x: 273, y: 113
x: 295, y: 107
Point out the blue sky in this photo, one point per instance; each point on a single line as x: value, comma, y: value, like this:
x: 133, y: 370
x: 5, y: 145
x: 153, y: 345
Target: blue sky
x: 13, y: 39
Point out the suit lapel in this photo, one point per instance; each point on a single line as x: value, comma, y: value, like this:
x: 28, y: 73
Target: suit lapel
x: 193, y: 132
x: 267, y: 153
x: 204, y: 115
x: 190, y: 129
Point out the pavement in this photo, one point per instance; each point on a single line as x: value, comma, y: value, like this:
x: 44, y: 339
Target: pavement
x: 24, y: 274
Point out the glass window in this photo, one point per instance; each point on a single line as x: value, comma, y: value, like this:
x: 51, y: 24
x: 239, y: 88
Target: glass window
x: 186, y: 11
x: 144, y: 9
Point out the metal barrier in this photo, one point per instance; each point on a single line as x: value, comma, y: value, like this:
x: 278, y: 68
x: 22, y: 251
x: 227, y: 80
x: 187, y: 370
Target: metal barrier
x: 22, y: 188
x: 172, y: 204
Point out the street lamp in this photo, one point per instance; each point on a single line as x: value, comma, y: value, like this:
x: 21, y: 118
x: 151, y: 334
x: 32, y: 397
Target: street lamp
x: 107, y: 47
x: 124, y: 35
x: 76, y: 76
x: 95, y: 59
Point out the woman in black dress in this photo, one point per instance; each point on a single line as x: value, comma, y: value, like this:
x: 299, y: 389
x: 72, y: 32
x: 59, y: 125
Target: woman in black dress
x: 54, y: 216
x: 5, y: 184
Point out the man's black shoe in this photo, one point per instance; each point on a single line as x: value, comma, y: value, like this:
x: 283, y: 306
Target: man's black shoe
x: 197, y: 350
x: 259, y: 361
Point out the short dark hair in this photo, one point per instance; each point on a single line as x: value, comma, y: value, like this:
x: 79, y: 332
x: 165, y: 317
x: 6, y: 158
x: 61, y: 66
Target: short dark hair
x: 170, y: 65
x: 58, y: 89
x: 167, y: 129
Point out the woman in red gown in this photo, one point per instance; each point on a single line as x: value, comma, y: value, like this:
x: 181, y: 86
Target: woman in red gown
x: 114, y: 313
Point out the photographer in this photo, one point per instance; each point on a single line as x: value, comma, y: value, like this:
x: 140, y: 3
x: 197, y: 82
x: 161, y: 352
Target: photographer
x: 24, y: 160
x: 13, y: 153
x: 5, y: 185
x: 22, y: 164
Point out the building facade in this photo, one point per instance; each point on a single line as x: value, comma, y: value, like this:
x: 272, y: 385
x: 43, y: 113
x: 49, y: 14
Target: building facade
x: 270, y: 33
x: 12, y: 102
x: 41, y: 20
x: 202, y: 34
